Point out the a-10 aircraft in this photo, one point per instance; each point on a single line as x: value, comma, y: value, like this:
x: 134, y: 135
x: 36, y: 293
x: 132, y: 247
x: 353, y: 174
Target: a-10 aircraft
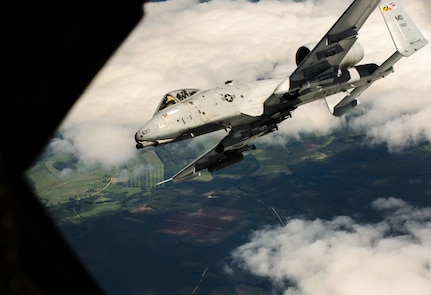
x: 325, y: 70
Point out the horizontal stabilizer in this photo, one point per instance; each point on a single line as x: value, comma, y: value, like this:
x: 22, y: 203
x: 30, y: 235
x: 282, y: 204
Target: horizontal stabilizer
x: 406, y: 36
x: 333, y: 100
x: 340, y: 103
x: 341, y: 110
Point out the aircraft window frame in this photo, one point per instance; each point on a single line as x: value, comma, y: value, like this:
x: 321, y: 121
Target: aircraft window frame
x: 175, y: 96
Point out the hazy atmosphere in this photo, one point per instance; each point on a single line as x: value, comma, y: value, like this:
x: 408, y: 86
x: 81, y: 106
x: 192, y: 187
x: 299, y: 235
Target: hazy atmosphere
x: 185, y: 43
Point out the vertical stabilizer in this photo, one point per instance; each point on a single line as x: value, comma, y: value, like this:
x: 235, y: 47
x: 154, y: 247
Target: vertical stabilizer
x: 406, y: 36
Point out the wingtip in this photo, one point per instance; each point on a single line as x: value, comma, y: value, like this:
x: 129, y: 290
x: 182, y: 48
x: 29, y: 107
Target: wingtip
x: 164, y: 181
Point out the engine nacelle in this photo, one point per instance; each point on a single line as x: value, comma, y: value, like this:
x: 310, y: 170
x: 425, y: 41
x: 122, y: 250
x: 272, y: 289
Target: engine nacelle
x: 355, y: 54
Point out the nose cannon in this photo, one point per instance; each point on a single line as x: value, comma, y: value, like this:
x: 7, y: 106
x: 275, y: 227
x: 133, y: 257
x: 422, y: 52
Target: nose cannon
x: 141, y: 142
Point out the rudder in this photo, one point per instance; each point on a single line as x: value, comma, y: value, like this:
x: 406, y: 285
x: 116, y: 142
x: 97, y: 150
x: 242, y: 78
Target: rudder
x: 406, y: 36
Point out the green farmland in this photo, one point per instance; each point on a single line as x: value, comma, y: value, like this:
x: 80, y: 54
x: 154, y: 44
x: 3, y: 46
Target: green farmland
x: 74, y: 191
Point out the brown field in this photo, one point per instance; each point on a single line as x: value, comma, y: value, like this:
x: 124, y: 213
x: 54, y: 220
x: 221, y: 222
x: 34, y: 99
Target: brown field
x: 206, y: 226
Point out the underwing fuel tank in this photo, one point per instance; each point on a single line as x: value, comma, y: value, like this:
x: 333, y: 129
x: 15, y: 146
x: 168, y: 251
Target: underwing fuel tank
x: 232, y: 159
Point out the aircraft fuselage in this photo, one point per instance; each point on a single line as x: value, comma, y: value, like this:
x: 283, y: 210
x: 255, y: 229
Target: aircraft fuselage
x: 241, y: 106
x: 206, y: 111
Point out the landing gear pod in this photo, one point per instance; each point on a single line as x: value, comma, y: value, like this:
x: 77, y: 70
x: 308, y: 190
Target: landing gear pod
x: 232, y: 159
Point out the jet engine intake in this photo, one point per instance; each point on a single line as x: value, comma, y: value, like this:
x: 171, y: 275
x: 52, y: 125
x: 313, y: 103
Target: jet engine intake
x: 353, y: 57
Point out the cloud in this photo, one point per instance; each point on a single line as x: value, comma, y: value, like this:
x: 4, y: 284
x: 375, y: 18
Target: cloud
x: 96, y: 143
x: 190, y: 44
x: 396, y: 128
x: 340, y: 256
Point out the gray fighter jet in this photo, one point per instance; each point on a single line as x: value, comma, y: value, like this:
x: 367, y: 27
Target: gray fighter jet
x: 327, y: 69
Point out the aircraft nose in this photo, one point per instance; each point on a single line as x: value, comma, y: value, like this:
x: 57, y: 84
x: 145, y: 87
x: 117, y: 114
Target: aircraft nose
x: 138, y: 136
x: 142, y: 140
x: 142, y: 134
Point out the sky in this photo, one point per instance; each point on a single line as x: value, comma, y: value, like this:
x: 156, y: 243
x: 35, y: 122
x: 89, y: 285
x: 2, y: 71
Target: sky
x: 201, y: 45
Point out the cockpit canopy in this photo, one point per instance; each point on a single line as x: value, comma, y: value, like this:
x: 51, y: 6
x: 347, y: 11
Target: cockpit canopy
x: 175, y: 97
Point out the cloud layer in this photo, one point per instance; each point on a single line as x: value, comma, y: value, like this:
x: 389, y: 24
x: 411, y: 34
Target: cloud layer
x: 341, y: 257
x: 190, y: 44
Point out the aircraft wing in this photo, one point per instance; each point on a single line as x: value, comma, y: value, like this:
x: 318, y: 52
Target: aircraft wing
x: 227, y: 152
x: 324, y: 60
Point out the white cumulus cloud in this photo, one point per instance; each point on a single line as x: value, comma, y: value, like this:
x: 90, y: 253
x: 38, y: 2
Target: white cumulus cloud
x: 343, y: 257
